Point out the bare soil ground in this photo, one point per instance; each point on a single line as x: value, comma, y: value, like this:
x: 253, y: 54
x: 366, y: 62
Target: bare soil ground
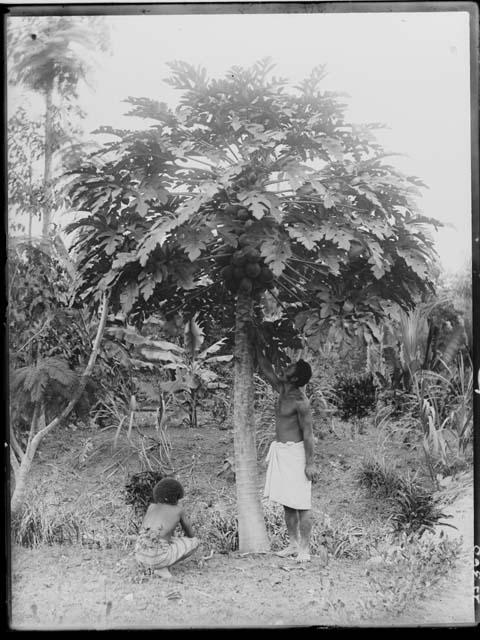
x: 98, y: 585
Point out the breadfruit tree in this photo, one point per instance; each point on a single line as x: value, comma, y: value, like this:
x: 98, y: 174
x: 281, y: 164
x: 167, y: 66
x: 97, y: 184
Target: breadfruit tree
x: 248, y: 186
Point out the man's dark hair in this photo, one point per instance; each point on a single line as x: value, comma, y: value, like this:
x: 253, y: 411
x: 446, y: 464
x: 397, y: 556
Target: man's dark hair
x: 303, y: 373
x: 168, y: 491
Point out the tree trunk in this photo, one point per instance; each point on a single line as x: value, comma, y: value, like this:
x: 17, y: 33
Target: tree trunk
x: 251, y: 524
x: 30, y: 218
x: 47, y: 173
x: 193, y: 409
x: 18, y: 497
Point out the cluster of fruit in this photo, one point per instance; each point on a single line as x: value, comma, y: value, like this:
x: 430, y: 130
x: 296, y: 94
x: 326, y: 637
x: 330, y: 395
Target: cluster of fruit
x: 245, y: 180
x: 244, y: 269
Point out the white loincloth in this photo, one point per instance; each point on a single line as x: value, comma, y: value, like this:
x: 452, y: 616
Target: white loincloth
x: 286, y: 481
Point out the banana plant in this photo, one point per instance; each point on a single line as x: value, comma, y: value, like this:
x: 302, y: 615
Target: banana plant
x: 192, y: 365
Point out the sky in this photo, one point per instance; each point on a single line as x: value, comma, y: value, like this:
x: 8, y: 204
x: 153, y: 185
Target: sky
x: 408, y: 70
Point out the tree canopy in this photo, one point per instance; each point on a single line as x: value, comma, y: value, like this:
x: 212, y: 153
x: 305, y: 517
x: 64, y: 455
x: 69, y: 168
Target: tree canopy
x: 336, y: 225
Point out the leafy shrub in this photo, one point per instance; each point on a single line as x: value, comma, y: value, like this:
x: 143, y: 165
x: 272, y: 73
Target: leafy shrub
x: 275, y: 524
x: 354, y: 395
x: 341, y: 539
x: 42, y: 324
x: 379, y: 477
x: 139, y: 490
x: 223, y: 532
x: 216, y: 529
x: 415, y: 510
x: 413, y: 566
x: 396, y: 402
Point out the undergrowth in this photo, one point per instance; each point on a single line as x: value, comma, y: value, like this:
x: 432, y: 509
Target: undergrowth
x: 378, y: 476
x: 354, y: 395
x: 414, y: 508
x: 409, y: 569
x: 343, y: 538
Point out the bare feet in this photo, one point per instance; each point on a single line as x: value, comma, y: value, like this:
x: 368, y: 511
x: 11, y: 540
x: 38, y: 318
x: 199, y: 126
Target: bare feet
x: 291, y: 550
x: 162, y: 573
x: 303, y: 556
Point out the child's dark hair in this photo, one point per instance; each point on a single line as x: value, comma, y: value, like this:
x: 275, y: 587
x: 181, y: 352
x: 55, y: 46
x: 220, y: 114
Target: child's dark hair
x: 303, y: 373
x: 168, y: 491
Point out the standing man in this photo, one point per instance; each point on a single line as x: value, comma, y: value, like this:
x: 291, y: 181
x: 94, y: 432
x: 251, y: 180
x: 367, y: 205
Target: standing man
x: 290, y: 457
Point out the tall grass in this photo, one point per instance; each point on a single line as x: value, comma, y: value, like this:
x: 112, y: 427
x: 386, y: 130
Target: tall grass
x: 37, y: 525
x: 436, y: 414
x: 444, y: 405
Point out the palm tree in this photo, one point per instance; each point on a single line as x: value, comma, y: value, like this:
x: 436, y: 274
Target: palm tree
x: 52, y: 55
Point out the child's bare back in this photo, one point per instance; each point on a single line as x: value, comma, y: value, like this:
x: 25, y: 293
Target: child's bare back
x: 156, y: 547
x: 164, y: 518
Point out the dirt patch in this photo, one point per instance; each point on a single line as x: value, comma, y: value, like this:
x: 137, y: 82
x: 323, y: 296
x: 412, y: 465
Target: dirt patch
x: 227, y: 591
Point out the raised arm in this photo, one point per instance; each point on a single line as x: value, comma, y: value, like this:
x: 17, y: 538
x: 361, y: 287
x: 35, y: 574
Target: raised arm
x: 305, y: 422
x: 267, y: 371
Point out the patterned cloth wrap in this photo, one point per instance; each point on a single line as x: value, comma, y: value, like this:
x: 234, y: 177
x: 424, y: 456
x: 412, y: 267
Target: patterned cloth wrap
x: 285, y: 481
x: 154, y: 552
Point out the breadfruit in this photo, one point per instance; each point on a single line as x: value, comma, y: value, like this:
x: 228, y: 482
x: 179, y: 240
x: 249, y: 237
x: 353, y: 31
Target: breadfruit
x: 258, y: 286
x: 266, y: 276
x: 252, y: 254
x: 243, y: 240
x: 245, y: 285
x: 239, y: 258
x: 253, y: 269
x: 238, y: 273
x: 243, y: 213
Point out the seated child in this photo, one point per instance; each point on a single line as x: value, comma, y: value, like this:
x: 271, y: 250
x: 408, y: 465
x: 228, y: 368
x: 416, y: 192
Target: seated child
x: 156, y: 548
